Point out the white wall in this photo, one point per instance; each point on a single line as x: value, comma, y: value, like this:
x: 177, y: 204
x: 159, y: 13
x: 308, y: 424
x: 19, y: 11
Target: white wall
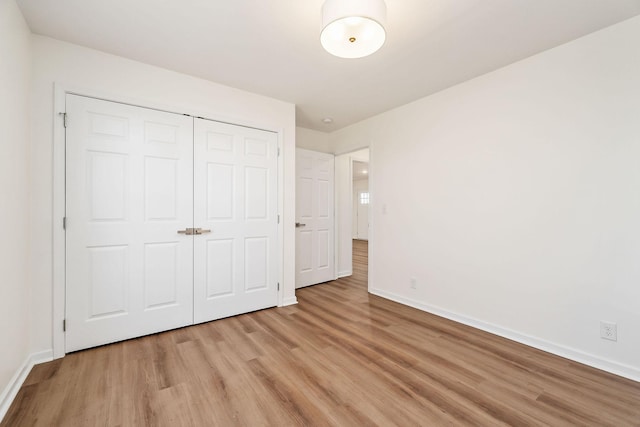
x: 358, y: 212
x: 96, y: 73
x: 313, y: 140
x: 15, y: 67
x: 526, y: 219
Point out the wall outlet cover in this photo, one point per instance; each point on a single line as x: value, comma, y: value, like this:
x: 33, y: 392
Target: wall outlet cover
x: 609, y: 331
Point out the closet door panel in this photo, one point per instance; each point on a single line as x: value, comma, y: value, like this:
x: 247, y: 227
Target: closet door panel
x: 235, y: 187
x: 129, y: 190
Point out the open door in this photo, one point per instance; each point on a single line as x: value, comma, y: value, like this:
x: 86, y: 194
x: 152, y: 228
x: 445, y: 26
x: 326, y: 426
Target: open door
x: 314, y: 218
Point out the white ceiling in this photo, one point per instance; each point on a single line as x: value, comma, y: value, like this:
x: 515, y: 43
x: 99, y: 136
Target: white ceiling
x: 272, y: 47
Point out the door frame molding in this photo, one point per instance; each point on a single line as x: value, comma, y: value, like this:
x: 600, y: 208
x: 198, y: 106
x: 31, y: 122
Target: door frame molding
x: 60, y: 91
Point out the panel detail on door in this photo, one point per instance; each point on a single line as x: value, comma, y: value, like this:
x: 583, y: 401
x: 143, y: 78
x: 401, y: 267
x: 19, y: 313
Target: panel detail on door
x: 256, y: 266
x: 219, y: 141
x: 220, y: 262
x: 323, y: 249
x: 256, y: 147
x: 235, y: 266
x: 160, y: 133
x: 107, y: 177
x: 108, y: 280
x: 256, y: 193
x: 304, y: 198
x: 220, y: 191
x: 304, y: 258
x: 160, y: 188
x: 108, y: 125
x: 160, y: 274
x: 323, y: 199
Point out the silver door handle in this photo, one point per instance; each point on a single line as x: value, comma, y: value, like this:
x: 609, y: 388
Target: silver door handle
x: 298, y: 225
x: 193, y: 231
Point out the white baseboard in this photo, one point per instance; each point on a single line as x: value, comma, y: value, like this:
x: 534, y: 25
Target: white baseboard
x: 616, y: 368
x: 289, y: 301
x: 344, y: 273
x: 11, y: 390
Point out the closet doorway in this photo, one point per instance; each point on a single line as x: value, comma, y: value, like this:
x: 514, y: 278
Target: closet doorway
x: 170, y: 220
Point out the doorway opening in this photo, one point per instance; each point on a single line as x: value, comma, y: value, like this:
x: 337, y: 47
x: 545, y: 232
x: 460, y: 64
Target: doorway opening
x: 353, y: 210
x: 361, y: 201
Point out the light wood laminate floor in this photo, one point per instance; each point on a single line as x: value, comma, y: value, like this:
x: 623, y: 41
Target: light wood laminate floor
x: 340, y: 357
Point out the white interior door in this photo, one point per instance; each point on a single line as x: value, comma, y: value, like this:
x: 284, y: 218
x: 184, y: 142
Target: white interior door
x: 314, y: 217
x: 235, y: 264
x: 129, y: 190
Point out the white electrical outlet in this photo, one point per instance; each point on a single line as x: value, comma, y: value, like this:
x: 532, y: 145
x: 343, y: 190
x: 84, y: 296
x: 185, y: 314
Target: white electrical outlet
x: 608, y: 331
x: 413, y: 283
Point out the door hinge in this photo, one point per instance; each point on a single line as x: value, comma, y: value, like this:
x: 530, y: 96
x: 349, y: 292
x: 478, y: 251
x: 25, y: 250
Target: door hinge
x: 64, y: 223
x: 278, y: 219
x: 64, y: 119
x: 278, y: 151
x: 64, y: 325
x: 278, y: 285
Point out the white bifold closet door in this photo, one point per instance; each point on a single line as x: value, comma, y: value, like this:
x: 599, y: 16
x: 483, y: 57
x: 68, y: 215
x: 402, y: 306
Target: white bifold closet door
x: 129, y: 188
x: 236, y: 198
x: 133, y: 183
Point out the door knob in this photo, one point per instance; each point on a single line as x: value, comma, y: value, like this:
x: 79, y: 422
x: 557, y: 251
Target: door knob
x: 298, y: 225
x: 193, y: 231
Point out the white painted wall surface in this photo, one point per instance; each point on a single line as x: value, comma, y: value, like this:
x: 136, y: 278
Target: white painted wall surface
x: 313, y: 140
x: 361, y: 155
x: 15, y: 70
x: 359, y: 213
x: 526, y: 219
x: 96, y: 73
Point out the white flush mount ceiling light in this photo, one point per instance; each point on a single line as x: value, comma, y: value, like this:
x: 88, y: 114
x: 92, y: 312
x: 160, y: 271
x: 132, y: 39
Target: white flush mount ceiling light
x: 353, y: 28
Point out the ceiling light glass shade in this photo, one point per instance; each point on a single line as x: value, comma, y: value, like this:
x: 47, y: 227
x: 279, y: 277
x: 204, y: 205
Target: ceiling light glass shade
x: 353, y: 28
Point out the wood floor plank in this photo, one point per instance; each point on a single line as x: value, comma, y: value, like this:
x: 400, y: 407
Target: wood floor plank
x: 341, y: 357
